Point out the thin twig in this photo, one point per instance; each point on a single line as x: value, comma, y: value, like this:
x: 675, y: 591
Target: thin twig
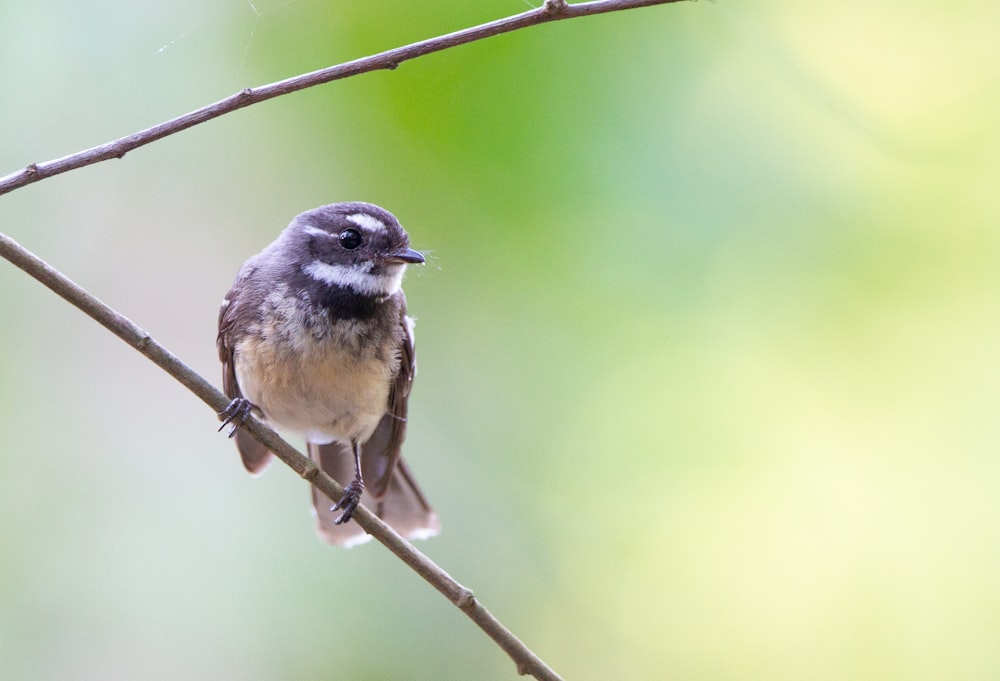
x: 552, y: 10
x: 527, y: 662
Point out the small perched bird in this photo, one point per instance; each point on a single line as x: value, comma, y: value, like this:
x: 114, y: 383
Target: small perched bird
x: 314, y: 338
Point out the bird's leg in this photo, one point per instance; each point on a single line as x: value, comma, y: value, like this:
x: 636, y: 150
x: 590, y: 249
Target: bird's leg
x: 352, y: 493
x: 235, y: 414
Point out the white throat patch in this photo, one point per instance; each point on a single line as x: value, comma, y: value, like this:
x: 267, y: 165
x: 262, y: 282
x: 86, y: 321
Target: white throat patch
x: 358, y: 278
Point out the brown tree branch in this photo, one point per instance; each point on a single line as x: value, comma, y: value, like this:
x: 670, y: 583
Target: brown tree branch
x: 527, y: 662
x: 552, y: 10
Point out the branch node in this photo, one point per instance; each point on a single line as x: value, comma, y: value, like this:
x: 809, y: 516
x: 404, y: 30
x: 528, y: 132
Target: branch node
x: 465, y: 600
x: 392, y: 66
x: 310, y: 471
x: 555, y: 6
x: 246, y: 93
x: 32, y: 170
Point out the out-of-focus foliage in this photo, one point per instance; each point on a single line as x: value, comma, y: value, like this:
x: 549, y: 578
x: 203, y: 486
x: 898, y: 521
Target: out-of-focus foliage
x: 708, y: 341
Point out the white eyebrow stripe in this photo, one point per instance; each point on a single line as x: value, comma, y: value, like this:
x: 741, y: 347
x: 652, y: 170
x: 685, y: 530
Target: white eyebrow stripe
x: 316, y: 231
x: 368, y: 222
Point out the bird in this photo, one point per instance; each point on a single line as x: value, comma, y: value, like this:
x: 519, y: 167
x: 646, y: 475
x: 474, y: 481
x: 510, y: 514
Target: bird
x: 314, y: 338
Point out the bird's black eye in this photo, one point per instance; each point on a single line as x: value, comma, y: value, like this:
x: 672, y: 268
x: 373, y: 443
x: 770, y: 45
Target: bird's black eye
x: 350, y: 239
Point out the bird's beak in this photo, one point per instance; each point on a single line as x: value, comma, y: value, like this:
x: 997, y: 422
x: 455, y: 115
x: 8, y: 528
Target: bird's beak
x: 407, y: 255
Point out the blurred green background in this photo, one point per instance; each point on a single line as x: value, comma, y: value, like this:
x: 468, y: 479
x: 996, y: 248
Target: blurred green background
x: 708, y: 340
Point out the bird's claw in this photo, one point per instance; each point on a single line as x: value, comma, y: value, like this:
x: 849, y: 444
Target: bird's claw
x: 349, y: 502
x: 235, y: 414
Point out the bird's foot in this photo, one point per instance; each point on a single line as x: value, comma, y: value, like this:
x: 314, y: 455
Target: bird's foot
x: 349, y: 502
x: 235, y: 414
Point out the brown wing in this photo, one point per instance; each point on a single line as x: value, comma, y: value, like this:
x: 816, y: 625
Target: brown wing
x: 255, y: 455
x: 381, y: 452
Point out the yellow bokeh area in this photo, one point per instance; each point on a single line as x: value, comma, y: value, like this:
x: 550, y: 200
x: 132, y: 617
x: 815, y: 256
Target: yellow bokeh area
x: 708, y: 341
